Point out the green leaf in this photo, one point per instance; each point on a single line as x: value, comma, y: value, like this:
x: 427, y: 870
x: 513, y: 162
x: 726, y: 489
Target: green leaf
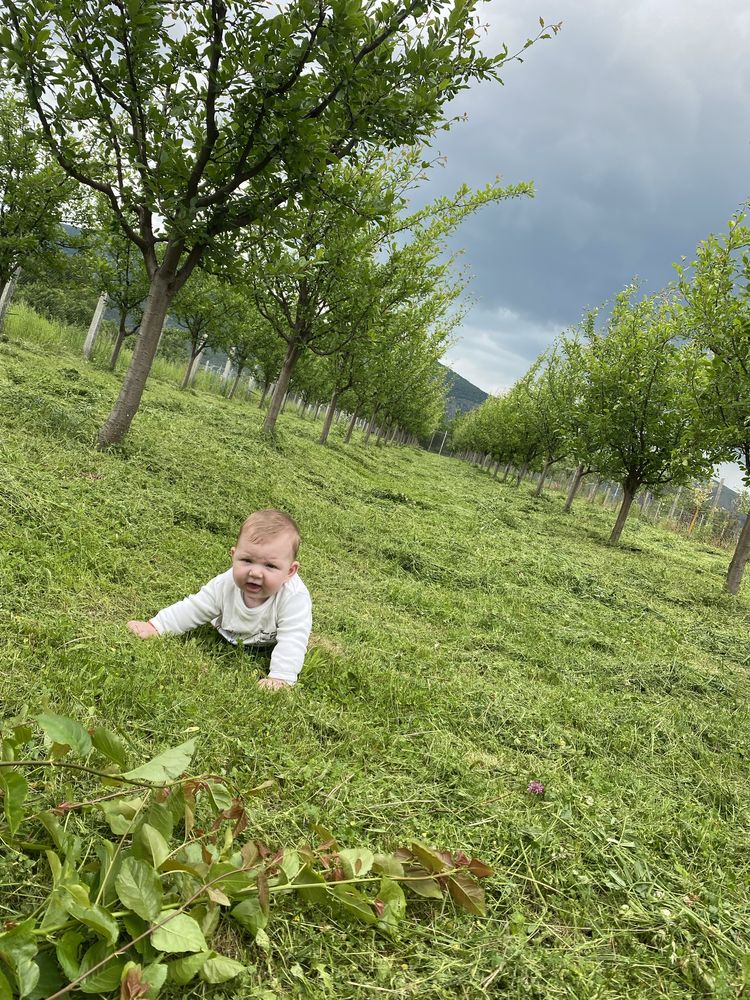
x: 231, y: 879
x: 149, y: 844
x: 263, y: 941
x: 311, y: 885
x: 160, y: 818
x: 54, y: 828
x: 15, y: 788
x: 425, y: 887
x: 139, y: 888
x: 354, y: 903
x: 110, y: 746
x: 220, y: 969
x: 386, y: 864
x: 429, y: 858
x: 18, y: 948
x: 181, y: 933
x: 5, y: 990
x: 107, y: 978
x: 67, y: 953
x: 219, y: 795
x: 356, y: 862
x: 58, y: 729
x: 50, y: 978
x: 91, y: 914
x: 249, y: 914
x: 391, y: 895
x: 155, y: 975
x: 467, y: 894
x: 290, y: 865
x: 165, y: 766
x: 182, y: 970
x: 120, y: 814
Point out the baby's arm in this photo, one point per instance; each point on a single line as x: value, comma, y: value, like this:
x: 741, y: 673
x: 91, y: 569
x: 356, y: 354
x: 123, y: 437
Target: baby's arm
x: 293, y: 631
x: 192, y: 611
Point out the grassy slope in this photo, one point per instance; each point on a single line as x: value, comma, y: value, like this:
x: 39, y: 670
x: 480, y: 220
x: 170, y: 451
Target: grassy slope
x: 467, y: 640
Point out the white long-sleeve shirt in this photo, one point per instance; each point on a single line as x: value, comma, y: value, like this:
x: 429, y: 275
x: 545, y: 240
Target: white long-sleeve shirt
x: 283, y: 621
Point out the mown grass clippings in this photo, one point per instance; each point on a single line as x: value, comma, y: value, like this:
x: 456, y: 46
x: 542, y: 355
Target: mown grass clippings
x: 464, y: 647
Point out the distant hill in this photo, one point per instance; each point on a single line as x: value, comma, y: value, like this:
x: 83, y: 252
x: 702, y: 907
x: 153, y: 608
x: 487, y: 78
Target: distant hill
x: 462, y: 394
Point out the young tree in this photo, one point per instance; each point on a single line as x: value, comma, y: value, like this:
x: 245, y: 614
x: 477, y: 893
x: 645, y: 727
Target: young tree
x: 204, y: 308
x: 717, y: 294
x: 119, y: 271
x: 639, y: 406
x: 198, y: 119
x: 33, y: 195
x: 246, y: 339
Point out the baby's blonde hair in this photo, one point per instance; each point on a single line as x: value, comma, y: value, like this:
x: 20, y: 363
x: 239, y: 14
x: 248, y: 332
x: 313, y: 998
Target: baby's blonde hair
x: 264, y: 524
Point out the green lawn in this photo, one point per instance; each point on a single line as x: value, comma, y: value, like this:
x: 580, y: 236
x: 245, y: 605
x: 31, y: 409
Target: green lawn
x: 467, y: 640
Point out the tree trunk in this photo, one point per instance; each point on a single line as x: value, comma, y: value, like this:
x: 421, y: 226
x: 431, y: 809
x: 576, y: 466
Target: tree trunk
x: 574, y: 484
x: 266, y: 387
x: 235, y: 383
x: 190, y: 370
x: 542, y: 477
x: 521, y: 473
x: 506, y: 473
x: 740, y: 557
x: 119, y: 420
x: 329, y: 417
x: 350, y: 428
x: 119, y: 341
x: 597, y: 483
x: 627, y: 500
x: 293, y: 352
x: 370, y: 427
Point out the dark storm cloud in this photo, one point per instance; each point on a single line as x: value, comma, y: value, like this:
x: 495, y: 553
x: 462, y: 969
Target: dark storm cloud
x: 633, y: 124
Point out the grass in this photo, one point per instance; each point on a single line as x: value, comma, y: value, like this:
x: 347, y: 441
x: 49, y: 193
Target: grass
x: 467, y: 640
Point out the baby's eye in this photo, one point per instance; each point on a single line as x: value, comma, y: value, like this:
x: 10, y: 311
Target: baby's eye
x: 270, y: 566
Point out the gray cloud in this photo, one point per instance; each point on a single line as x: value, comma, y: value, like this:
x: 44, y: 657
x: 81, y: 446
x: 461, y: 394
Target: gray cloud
x: 633, y: 125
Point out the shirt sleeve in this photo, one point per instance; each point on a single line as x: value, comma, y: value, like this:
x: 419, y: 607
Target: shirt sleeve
x: 293, y: 631
x: 192, y: 611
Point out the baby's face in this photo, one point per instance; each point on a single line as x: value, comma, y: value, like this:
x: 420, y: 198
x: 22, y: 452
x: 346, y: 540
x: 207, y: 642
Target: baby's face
x: 261, y: 568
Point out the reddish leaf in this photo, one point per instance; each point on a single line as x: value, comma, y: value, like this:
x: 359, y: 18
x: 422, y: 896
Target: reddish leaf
x: 432, y: 860
x: 479, y: 868
x: 325, y: 837
x: 133, y: 986
x: 461, y: 860
x: 263, y: 896
x: 264, y: 786
x: 466, y: 893
x: 249, y: 854
x: 241, y: 825
x: 379, y: 906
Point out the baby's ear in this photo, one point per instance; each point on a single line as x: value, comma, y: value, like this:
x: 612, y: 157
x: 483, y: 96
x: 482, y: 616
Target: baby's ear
x: 293, y: 569
x: 232, y: 552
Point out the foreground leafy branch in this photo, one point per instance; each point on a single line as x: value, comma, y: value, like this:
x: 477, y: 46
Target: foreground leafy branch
x: 160, y: 863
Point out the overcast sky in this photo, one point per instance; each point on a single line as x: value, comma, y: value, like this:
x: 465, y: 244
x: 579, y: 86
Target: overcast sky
x: 634, y: 125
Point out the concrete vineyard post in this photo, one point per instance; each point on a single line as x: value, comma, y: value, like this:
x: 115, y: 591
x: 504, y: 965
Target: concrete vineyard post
x: 96, y: 321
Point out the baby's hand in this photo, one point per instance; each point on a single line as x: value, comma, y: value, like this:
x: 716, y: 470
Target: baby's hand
x: 144, y: 630
x: 272, y: 683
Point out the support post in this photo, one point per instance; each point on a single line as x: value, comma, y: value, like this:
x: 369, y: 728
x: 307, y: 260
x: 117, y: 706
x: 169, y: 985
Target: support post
x: 96, y: 322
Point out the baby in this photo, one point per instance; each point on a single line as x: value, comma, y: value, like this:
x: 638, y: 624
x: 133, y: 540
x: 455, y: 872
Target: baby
x: 260, y: 601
